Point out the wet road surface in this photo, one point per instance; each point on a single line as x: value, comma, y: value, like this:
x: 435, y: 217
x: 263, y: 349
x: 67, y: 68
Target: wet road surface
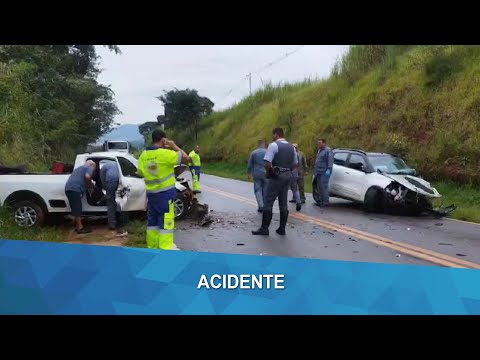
x: 340, y: 232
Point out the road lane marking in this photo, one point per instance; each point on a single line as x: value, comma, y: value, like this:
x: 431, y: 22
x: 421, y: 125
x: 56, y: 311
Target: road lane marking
x: 412, y: 250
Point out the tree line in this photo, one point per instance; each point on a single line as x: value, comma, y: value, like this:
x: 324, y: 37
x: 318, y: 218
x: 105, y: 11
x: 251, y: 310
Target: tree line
x: 51, y: 104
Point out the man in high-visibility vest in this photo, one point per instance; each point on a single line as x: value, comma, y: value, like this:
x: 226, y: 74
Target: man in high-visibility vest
x: 156, y: 165
x: 195, y: 166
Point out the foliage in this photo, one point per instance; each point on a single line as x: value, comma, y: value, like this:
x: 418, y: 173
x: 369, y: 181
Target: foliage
x: 421, y: 102
x: 51, y: 104
x: 184, y: 109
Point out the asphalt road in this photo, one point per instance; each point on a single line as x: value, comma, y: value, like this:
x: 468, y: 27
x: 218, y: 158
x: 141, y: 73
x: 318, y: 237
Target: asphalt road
x: 341, y: 232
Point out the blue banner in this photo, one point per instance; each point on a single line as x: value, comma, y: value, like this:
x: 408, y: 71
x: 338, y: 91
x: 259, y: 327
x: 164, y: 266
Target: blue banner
x: 51, y: 278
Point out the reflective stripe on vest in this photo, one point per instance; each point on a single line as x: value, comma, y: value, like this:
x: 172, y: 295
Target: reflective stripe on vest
x: 159, y: 181
x: 157, y: 168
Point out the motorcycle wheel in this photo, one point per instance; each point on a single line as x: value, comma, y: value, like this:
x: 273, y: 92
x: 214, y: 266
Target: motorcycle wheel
x: 181, y: 206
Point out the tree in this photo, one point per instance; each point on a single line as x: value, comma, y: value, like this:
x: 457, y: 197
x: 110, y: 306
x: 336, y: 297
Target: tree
x: 60, y: 97
x: 185, y: 109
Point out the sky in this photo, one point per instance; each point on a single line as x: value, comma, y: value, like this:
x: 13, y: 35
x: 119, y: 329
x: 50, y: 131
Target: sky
x: 218, y: 72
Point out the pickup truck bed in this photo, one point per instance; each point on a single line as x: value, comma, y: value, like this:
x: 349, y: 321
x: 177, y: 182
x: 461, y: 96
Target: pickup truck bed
x: 34, y: 196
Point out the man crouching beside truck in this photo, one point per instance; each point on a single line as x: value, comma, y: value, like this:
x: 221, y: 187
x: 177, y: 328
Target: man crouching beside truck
x: 75, y: 189
x: 157, y: 166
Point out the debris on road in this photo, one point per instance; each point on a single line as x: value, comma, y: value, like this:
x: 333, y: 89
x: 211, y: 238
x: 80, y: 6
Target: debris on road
x: 445, y: 244
x: 398, y: 255
x: 439, y: 224
x: 207, y: 220
x: 461, y: 255
x: 240, y: 244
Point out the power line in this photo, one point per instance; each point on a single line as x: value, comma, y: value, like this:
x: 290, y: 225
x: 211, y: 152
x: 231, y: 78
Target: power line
x: 270, y: 64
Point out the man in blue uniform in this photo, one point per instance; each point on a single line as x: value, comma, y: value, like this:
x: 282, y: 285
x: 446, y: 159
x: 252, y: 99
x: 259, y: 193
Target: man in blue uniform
x: 256, y: 168
x: 323, y: 170
x: 280, y: 159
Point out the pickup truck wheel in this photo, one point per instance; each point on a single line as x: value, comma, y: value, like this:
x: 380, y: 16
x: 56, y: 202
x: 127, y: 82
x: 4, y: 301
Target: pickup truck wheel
x: 374, y: 201
x: 28, y: 214
x: 181, y: 206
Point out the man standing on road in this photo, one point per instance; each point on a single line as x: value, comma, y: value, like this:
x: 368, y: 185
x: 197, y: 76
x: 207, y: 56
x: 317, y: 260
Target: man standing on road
x: 157, y: 166
x: 110, y: 178
x: 195, y: 166
x: 294, y: 183
x: 302, y: 172
x: 256, y: 167
x: 280, y: 159
x: 75, y: 189
x: 323, y: 171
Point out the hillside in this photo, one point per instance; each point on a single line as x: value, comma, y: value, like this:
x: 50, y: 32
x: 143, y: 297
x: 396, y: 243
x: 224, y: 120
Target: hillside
x: 421, y: 102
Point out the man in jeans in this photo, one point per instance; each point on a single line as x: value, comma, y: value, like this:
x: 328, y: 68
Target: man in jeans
x: 75, y: 189
x: 110, y: 178
x: 256, y: 167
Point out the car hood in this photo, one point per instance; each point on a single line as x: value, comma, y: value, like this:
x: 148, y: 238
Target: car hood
x: 416, y: 184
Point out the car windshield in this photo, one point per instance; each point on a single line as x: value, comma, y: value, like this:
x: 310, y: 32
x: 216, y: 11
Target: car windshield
x: 390, y: 165
x: 117, y: 145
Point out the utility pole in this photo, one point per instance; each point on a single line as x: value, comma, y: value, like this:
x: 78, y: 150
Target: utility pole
x: 250, y: 81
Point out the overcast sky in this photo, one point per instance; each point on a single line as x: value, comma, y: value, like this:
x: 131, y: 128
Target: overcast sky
x: 142, y: 72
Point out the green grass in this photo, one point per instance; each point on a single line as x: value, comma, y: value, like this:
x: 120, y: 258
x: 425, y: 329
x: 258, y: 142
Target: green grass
x: 10, y: 230
x: 466, y: 197
x: 136, y: 233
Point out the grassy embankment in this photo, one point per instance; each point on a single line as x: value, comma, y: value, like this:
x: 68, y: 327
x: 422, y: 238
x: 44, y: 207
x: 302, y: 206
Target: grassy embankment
x: 421, y: 102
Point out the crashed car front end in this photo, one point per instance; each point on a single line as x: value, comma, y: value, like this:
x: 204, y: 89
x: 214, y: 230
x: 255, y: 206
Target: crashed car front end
x: 413, y: 193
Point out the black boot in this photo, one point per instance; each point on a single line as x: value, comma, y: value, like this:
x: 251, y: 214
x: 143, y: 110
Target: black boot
x: 283, y: 223
x: 266, y: 219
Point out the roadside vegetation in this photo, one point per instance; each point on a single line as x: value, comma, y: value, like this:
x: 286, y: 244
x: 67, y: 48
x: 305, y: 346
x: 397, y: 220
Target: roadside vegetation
x: 420, y: 102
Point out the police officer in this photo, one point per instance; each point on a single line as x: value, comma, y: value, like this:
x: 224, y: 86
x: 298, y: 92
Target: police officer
x: 302, y: 172
x: 280, y: 159
x: 195, y: 166
x: 157, y: 166
x: 294, y: 182
x: 256, y: 167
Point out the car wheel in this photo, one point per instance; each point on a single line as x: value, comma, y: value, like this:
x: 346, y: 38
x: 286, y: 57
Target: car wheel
x: 316, y: 196
x: 374, y: 201
x: 181, y: 206
x: 28, y: 214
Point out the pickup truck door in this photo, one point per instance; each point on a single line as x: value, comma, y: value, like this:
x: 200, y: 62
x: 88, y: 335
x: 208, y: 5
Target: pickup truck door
x: 132, y: 193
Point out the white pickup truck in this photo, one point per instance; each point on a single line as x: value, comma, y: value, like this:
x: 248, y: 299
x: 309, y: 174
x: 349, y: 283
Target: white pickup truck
x: 35, y: 196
